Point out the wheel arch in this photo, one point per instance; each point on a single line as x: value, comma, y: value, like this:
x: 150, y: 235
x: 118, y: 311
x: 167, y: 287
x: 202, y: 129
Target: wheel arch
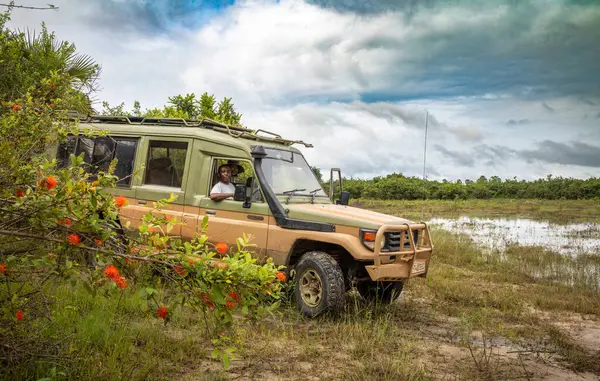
x: 305, y: 245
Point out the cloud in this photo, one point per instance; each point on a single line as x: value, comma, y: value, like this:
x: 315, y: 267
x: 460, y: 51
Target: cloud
x: 551, y: 109
x: 574, y: 153
x: 513, y: 122
x: 468, y: 133
x: 459, y: 158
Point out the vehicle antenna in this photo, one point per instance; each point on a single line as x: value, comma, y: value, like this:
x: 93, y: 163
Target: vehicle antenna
x: 424, y: 161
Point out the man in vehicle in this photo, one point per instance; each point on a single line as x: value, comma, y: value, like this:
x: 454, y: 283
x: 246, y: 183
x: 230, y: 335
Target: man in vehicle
x: 224, y: 189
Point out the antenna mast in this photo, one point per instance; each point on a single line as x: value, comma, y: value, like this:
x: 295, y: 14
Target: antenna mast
x: 424, y: 161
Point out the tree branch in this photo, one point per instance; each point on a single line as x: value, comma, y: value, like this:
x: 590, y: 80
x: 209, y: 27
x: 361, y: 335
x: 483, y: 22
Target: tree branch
x: 52, y: 7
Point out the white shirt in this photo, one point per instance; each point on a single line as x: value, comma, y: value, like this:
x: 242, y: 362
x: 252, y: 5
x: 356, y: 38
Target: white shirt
x: 223, y: 188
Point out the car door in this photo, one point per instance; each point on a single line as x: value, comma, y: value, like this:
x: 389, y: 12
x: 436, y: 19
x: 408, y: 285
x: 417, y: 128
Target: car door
x: 167, y: 160
x: 228, y: 220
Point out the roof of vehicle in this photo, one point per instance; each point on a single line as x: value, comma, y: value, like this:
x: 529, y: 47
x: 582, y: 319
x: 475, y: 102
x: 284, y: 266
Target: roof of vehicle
x: 177, y: 127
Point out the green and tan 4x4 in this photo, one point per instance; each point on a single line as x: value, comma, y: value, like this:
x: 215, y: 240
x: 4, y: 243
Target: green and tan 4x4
x: 326, y: 245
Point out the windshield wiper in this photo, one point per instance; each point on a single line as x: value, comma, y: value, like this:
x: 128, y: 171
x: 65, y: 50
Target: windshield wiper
x: 291, y: 192
x: 313, y: 193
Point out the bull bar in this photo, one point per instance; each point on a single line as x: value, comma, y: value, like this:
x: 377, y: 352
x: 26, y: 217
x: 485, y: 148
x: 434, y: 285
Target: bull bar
x: 408, y: 261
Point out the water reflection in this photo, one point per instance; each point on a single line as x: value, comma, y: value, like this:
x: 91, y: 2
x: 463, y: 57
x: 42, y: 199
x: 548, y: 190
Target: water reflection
x: 498, y: 233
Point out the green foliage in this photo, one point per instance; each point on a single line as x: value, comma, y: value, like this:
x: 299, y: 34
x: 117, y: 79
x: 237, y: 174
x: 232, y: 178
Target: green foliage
x: 399, y: 187
x: 187, y: 107
x: 63, y: 225
x: 27, y: 59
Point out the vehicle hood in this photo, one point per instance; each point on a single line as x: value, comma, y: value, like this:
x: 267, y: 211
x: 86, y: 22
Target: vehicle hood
x: 342, y: 215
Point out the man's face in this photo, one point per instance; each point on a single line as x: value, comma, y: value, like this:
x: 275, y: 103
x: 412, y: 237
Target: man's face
x: 225, y: 174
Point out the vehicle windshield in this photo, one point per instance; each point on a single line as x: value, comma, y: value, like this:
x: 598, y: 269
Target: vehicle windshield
x: 288, y: 171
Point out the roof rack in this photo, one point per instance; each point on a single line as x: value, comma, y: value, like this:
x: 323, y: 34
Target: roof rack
x: 234, y: 131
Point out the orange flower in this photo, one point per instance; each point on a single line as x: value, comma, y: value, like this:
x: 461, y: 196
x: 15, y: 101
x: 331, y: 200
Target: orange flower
x: 162, y: 312
x: 67, y: 221
x: 121, y: 282
x: 3, y: 268
x: 221, y: 265
x: 73, y: 239
x: 49, y: 182
x: 191, y: 262
x: 111, y: 272
x: 179, y: 270
x: 205, y: 297
x: 20, y: 193
x: 281, y: 276
x: 229, y: 304
x: 98, y: 242
x: 60, y: 221
x: 120, y: 201
x: 19, y: 315
x: 221, y: 247
x: 51, y: 105
x: 235, y: 296
x: 16, y: 107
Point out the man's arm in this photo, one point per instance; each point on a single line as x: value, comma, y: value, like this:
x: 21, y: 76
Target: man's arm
x: 220, y: 196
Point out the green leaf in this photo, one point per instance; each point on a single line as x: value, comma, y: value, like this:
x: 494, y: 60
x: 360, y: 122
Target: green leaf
x: 226, y: 360
x: 217, y: 294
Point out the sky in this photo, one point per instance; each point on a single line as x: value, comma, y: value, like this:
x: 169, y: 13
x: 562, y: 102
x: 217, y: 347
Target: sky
x: 508, y: 88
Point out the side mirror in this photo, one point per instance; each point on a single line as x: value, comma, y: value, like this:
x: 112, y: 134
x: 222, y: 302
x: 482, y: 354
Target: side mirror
x: 248, y: 192
x: 344, y: 198
x: 240, y: 192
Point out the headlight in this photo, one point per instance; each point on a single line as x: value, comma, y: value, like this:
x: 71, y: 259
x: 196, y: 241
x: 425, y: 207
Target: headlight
x: 367, y: 237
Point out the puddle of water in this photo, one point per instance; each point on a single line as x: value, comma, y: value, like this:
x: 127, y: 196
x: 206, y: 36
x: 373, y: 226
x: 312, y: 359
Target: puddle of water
x: 498, y: 233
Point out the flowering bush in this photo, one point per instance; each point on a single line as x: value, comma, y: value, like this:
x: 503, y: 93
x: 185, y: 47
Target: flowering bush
x: 78, y: 221
x: 62, y: 225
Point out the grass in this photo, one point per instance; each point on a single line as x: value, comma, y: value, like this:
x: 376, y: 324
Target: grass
x: 479, y: 315
x: 557, y: 211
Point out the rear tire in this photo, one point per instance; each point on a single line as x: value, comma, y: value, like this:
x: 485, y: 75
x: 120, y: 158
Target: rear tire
x: 319, y: 284
x: 381, y: 292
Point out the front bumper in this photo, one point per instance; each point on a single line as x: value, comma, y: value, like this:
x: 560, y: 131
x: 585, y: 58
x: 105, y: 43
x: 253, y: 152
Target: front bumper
x: 411, y: 260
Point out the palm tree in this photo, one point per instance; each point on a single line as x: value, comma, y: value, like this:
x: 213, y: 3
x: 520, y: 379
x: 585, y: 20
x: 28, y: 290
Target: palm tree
x: 48, y: 54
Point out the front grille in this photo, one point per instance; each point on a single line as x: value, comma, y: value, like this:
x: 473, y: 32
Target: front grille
x: 392, y: 240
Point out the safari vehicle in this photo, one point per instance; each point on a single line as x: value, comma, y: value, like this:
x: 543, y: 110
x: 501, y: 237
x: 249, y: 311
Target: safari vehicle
x: 327, y: 246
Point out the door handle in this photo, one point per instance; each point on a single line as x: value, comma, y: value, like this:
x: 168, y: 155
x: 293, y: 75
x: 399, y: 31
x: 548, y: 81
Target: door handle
x: 254, y: 217
x: 213, y: 212
x: 143, y: 202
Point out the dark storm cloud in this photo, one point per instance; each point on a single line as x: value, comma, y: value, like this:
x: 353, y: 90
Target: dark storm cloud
x: 524, y: 49
x: 574, y: 153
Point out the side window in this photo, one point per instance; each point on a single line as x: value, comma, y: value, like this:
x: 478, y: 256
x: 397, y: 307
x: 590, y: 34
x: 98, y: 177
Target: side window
x: 125, y: 155
x: 166, y: 163
x: 98, y: 153
x: 241, y: 171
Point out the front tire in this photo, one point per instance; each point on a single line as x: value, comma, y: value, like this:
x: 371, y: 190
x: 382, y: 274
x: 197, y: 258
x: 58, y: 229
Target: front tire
x: 319, y: 284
